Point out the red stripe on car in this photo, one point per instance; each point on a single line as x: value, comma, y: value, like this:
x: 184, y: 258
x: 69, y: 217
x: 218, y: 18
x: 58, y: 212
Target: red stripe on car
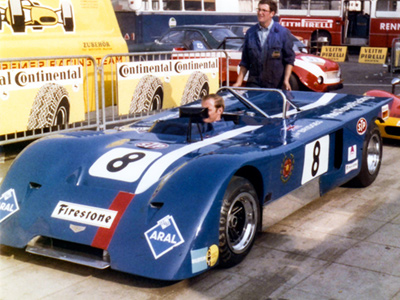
x: 104, y: 235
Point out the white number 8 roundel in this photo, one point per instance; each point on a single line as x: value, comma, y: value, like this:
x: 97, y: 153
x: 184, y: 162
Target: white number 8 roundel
x: 123, y: 164
x: 316, y: 159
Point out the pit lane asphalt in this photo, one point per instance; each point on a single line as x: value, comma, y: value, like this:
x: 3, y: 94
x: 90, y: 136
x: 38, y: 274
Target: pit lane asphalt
x: 345, y: 245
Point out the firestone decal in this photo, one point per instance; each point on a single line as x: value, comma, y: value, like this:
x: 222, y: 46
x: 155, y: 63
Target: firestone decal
x: 84, y: 214
x: 163, y: 237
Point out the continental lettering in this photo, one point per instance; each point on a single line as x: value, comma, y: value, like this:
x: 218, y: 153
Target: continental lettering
x: 24, y: 78
x: 127, y: 70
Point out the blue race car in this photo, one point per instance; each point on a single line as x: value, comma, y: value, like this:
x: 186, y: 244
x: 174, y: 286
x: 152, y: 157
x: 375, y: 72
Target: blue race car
x: 167, y: 198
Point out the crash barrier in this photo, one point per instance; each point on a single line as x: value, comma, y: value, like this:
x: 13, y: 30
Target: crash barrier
x: 42, y: 95
x: 138, y: 84
x: 395, y: 56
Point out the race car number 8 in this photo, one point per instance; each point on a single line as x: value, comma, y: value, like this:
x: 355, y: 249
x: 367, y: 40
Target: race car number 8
x: 316, y: 159
x: 123, y: 164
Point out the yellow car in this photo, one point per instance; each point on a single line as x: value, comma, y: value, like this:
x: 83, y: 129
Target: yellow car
x: 391, y: 127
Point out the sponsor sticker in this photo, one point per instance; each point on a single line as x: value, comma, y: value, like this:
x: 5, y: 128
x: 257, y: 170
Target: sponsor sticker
x: 287, y: 168
x: 352, y: 153
x: 352, y: 166
x: 84, y: 214
x: 204, y: 258
x: 362, y: 126
x: 151, y: 145
x: 164, y: 236
x: 8, y: 204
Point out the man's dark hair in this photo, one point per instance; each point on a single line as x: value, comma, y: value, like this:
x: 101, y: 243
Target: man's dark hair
x: 272, y: 4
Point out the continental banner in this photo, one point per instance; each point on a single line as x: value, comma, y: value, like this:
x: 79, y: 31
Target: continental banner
x: 150, y: 85
x: 36, y: 98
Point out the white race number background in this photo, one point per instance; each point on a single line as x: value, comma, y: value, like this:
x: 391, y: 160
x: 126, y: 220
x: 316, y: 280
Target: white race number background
x: 123, y: 164
x: 316, y: 159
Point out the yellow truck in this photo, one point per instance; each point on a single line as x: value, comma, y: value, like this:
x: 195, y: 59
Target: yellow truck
x: 48, y: 53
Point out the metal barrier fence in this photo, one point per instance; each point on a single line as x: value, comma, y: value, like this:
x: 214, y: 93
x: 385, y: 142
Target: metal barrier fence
x: 135, y: 85
x: 43, y: 95
x: 395, y: 56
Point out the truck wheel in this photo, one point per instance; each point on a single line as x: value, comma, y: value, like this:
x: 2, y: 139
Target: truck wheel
x: 51, y: 107
x: 239, y: 218
x: 17, y: 16
x: 371, y: 158
x: 67, y: 17
x: 196, y: 87
x: 148, y: 95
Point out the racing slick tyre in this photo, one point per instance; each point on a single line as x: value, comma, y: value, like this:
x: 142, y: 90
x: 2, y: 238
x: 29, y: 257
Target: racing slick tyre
x: 239, y: 219
x: 16, y: 15
x: 51, y: 107
x: 66, y: 16
x: 196, y: 87
x: 148, y: 95
x: 371, y: 158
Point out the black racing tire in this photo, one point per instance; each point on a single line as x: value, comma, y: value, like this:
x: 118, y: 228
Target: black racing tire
x: 17, y: 16
x: 239, y: 219
x: 294, y: 82
x: 148, y: 95
x: 371, y: 158
x: 50, y: 108
x: 67, y: 17
x: 196, y: 87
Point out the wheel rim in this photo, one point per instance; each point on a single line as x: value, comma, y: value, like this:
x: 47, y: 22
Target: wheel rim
x: 373, y: 154
x: 242, y: 222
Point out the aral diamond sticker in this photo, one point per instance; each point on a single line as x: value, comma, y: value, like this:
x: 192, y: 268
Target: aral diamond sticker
x: 164, y: 236
x: 8, y: 204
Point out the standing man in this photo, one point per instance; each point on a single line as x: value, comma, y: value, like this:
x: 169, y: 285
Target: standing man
x: 267, y: 51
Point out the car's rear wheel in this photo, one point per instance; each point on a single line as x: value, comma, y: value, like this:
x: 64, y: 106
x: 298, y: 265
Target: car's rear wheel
x: 371, y: 158
x: 239, y: 218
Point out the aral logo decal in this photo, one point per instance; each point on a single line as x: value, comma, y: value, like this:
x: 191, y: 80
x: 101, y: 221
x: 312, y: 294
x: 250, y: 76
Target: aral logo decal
x: 163, y: 237
x: 8, y: 204
x: 84, y: 214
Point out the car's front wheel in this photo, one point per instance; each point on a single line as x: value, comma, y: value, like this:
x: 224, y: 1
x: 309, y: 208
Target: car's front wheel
x: 239, y: 218
x: 371, y: 158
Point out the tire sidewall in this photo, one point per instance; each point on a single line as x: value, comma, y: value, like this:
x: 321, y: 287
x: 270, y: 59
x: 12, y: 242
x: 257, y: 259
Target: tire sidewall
x: 237, y: 185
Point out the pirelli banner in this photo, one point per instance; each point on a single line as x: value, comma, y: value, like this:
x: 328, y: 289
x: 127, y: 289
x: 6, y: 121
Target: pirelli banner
x: 34, y: 98
x: 152, y: 85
